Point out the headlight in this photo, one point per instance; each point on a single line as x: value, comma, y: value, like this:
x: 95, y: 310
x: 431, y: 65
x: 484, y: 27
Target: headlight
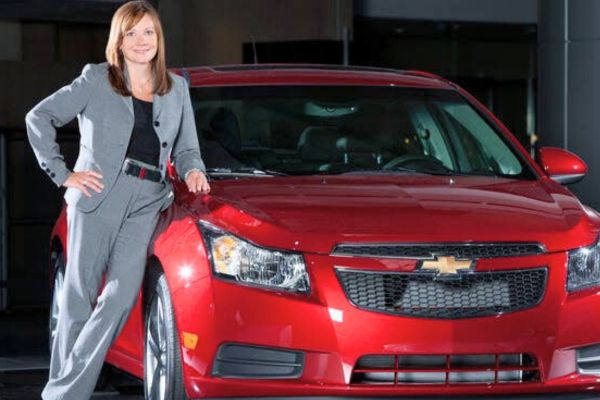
x: 236, y: 259
x: 584, y: 268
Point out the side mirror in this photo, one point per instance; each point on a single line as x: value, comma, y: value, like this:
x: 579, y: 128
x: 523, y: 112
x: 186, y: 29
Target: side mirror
x: 561, y: 165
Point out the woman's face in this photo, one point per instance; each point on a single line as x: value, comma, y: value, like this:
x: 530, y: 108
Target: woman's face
x: 140, y: 43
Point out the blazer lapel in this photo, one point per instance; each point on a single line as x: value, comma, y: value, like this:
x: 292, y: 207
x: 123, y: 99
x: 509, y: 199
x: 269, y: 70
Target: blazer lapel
x: 128, y: 103
x: 157, y: 103
x: 127, y: 99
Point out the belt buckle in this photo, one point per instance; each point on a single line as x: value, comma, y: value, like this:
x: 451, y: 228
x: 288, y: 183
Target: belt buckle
x: 142, y: 173
x: 128, y: 164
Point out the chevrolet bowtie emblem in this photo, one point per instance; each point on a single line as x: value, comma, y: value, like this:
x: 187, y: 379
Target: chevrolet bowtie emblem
x: 445, y: 265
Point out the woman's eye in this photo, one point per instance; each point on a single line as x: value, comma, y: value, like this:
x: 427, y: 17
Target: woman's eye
x: 129, y: 34
x: 149, y: 32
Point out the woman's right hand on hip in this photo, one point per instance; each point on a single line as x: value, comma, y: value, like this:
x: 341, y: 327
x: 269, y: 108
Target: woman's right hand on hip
x: 85, y: 180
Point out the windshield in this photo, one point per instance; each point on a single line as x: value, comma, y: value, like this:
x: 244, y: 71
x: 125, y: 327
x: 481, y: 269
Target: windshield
x: 301, y: 130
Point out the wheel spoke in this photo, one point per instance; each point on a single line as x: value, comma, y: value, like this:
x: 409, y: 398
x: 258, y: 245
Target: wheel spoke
x: 154, y: 349
x: 154, y: 323
x: 150, y: 366
x: 160, y: 322
x: 163, y: 382
x: 163, y: 343
x: 155, y: 393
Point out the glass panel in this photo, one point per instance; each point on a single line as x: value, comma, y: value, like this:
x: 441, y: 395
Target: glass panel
x: 349, y: 129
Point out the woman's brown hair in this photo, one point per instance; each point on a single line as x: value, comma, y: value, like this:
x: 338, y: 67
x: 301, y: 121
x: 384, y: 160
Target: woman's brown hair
x: 125, y: 18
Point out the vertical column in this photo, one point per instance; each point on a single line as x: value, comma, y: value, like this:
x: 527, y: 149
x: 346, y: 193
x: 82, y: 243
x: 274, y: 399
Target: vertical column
x: 553, y: 69
x: 569, y: 106
x: 172, y: 17
x: 3, y: 226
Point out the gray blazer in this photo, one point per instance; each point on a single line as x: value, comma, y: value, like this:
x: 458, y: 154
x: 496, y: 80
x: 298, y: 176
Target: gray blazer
x: 105, y: 124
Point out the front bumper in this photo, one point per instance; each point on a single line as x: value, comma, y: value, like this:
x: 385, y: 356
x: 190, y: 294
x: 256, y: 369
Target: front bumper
x: 333, y: 334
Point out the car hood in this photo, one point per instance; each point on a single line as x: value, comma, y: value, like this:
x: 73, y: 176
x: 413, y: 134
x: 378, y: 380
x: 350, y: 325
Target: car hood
x: 315, y: 213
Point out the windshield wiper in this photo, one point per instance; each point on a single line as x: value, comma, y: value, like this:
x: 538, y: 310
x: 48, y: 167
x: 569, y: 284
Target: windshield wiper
x: 445, y: 172
x: 391, y: 171
x: 244, y: 170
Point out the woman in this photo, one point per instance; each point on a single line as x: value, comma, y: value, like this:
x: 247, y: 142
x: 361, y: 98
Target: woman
x: 132, y: 116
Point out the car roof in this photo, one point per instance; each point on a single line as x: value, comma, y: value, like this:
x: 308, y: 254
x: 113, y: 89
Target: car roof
x: 309, y: 74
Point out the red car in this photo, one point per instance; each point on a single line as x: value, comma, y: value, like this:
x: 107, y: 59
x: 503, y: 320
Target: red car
x: 369, y: 232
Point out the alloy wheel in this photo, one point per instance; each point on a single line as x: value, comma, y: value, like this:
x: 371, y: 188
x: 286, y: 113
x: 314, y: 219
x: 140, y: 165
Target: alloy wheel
x: 156, y: 352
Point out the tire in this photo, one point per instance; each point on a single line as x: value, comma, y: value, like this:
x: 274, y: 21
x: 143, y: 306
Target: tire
x: 57, y: 287
x: 163, y: 376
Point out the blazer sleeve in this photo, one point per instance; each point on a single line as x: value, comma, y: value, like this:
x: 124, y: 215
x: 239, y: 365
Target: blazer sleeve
x: 186, y: 150
x: 53, y: 112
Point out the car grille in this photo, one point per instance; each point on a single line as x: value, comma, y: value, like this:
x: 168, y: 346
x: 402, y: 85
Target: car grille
x: 469, y: 251
x: 418, y: 294
x: 444, y: 369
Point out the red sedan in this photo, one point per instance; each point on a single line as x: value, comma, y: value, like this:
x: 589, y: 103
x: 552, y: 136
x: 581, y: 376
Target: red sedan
x: 369, y: 232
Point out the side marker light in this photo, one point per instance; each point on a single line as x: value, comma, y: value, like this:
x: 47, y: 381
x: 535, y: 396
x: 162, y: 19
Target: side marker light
x: 190, y: 340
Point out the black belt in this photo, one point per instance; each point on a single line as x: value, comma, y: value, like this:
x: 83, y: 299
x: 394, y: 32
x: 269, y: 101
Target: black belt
x: 141, y: 172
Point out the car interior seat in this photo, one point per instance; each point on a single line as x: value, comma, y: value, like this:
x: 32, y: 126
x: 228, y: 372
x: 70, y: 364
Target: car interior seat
x: 358, y: 152
x: 317, y: 147
x: 220, y: 138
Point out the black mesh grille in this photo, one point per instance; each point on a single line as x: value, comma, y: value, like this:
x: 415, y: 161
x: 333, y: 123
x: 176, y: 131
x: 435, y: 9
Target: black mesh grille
x: 469, y: 251
x: 421, y: 295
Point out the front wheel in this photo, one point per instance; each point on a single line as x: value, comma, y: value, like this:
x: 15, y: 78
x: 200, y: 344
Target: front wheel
x: 163, y: 377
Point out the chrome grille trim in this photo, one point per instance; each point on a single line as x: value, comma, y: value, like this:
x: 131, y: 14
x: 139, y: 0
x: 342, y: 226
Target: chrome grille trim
x: 428, y: 251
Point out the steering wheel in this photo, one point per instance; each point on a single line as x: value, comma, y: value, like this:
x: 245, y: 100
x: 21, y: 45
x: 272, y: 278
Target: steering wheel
x: 418, y: 161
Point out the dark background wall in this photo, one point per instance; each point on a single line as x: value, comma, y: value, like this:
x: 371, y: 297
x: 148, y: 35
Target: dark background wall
x: 569, y: 51
x: 488, y: 47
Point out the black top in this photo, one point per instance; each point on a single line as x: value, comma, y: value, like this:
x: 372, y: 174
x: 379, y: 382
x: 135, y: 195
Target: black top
x: 144, y: 144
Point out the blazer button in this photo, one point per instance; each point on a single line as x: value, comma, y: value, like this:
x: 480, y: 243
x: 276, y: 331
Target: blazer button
x: 52, y: 175
x: 43, y: 164
x: 164, y: 144
x: 47, y: 169
x: 156, y: 123
x: 160, y: 166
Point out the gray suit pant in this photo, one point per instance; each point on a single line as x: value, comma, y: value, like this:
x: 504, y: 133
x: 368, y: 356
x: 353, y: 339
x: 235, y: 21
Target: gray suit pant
x: 112, y: 241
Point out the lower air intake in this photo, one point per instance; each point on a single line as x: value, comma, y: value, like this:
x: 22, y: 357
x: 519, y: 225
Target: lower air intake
x: 588, y: 360
x: 442, y: 369
x: 257, y: 362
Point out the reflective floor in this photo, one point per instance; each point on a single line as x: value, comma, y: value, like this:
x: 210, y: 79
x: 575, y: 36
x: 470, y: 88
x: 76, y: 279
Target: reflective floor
x: 24, y: 361
x: 25, y: 385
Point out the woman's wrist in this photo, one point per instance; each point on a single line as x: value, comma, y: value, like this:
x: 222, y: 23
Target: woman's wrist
x: 187, y: 174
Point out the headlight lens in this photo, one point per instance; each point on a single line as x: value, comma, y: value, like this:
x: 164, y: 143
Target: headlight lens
x: 237, y: 259
x: 584, y: 268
